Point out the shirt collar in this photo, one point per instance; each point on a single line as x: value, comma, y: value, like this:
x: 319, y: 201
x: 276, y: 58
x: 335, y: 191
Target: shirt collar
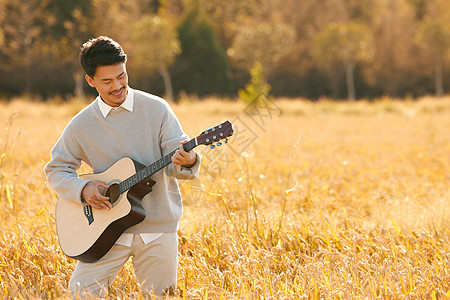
x: 127, y: 104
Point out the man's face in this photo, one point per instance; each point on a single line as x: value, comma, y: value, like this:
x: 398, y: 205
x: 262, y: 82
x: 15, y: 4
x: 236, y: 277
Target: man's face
x: 111, y: 82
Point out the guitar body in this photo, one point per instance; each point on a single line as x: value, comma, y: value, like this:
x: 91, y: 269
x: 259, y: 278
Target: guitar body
x: 86, y: 233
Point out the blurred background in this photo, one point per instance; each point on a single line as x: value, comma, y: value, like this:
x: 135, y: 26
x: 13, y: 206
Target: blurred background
x: 339, y: 49
x: 309, y: 199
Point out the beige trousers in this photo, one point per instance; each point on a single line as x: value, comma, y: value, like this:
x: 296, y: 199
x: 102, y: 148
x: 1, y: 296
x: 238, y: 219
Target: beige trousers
x: 155, y: 267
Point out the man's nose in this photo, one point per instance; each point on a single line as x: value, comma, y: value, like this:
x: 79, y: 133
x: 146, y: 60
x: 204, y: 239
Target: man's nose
x: 116, y: 84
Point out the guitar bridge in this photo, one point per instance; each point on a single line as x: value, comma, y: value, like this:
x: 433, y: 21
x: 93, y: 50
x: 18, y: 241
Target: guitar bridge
x: 88, y: 213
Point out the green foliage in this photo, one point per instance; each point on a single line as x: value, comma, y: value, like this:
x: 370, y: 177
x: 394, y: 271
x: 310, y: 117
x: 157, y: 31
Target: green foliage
x: 63, y: 12
x: 203, y: 67
x: 343, y: 42
x: 434, y: 36
x: 30, y: 50
x: 40, y: 40
x: 266, y: 43
x: 155, y: 43
x: 257, y: 90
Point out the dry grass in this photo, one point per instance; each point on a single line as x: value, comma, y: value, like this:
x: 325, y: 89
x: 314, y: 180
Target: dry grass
x: 307, y: 200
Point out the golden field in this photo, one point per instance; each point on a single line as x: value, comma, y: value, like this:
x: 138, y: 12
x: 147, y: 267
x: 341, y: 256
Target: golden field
x: 323, y: 200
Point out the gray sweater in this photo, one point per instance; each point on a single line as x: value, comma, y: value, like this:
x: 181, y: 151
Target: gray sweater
x: 146, y: 134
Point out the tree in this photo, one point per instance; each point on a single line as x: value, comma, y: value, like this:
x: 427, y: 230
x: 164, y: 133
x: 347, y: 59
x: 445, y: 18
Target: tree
x: 113, y: 18
x: 202, y: 68
x: 155, y: 46
x: 396, y: 60
x: 23, y: 30
x: 347, y: 43
x: 77, y: 32
x: 434, y: 36
x: 225, y: 15
x: 264, y: 43
x: 257, y: 90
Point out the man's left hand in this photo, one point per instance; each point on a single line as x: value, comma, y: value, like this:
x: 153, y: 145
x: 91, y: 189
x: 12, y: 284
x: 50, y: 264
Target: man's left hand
x: 183, y: 158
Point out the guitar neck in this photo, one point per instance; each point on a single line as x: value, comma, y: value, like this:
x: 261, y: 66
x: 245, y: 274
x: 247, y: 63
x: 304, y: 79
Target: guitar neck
x: 153, y: 168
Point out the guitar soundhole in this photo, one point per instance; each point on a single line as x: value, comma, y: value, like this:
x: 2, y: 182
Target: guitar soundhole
x: 113, y: 192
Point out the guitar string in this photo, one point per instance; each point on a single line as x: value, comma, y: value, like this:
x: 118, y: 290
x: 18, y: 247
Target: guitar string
x: 153, y: 168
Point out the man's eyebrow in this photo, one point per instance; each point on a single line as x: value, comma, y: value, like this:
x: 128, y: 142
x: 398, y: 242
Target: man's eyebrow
x: 107, y: 79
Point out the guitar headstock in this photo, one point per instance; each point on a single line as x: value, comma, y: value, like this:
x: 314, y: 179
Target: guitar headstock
x: 215, y: 134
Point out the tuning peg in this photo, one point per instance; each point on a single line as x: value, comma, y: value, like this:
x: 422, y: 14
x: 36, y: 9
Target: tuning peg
x: 212, y: 146
x: 219, y: 144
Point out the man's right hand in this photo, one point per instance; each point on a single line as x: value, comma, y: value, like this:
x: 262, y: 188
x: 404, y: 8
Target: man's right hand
x: 92, y: 196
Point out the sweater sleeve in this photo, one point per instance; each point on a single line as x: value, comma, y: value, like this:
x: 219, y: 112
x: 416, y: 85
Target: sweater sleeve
x: 61, y: 170
x: 171, y: 135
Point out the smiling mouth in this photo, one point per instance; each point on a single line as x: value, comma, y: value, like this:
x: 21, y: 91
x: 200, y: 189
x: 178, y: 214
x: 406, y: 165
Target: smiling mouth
x: 118, y: 92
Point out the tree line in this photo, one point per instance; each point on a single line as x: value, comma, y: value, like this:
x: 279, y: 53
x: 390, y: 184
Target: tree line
x: 303, y: 48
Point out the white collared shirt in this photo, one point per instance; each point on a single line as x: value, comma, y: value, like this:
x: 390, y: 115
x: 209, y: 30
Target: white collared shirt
x: 126, y: 238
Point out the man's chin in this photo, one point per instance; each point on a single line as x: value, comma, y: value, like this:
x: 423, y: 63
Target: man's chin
x: 114, y: 101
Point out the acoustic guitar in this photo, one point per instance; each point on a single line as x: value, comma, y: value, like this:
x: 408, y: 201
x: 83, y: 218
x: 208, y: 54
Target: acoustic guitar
x: 86, y: 233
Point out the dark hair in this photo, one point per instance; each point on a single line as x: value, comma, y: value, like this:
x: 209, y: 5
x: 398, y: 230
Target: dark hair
x: 100, y: 51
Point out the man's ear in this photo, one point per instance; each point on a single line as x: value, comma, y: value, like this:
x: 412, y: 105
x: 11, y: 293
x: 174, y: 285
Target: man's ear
x: 90, y: 80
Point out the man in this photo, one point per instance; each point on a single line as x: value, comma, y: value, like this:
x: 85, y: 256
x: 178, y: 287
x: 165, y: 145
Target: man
x: 123, y: 122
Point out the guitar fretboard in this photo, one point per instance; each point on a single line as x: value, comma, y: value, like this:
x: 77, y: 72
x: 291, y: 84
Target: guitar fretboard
x: 153, y: 168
